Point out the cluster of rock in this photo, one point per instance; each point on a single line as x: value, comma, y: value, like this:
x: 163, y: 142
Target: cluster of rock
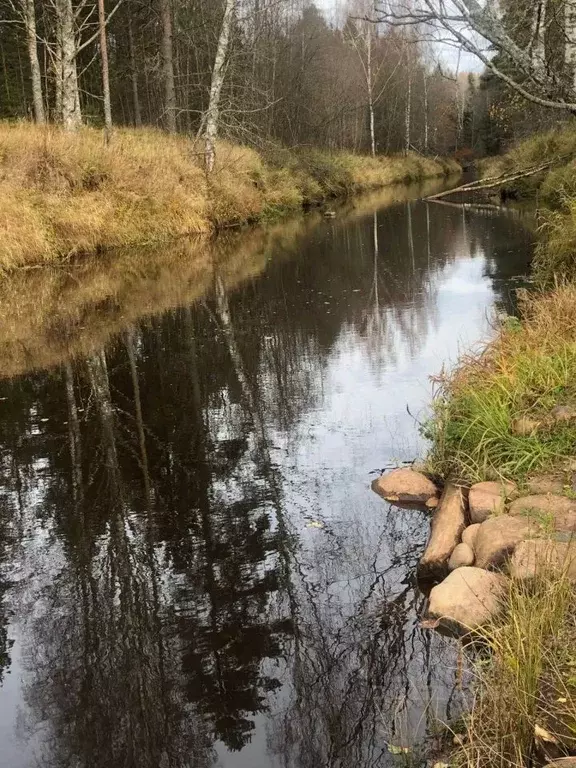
x: 480, y: 537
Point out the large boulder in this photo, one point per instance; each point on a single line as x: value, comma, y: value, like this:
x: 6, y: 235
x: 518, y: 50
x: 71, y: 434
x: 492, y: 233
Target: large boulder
x: 498, y: 536
x: 447, y: 526
x: 543, y: 484
x: 467, y: 599
x: 469, y: 535
x: 553, y: 512
x: 462, y: 555
x: 488, y: 498
x: 537, y: 556
x: 405, y: 487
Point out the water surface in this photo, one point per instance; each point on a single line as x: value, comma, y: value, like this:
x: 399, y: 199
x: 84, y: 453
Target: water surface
x: 194, y: 571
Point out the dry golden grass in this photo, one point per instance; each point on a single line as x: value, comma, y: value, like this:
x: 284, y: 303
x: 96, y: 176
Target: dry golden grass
x: 68, y: 193
x: 55, y: 313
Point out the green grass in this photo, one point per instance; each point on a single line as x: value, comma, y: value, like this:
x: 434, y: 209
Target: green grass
x: 526, y: 682
x: 524, y: 372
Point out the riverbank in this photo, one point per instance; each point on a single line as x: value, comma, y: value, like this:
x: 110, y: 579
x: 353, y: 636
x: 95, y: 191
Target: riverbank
x: 506, y: 418
x: 68, y: 193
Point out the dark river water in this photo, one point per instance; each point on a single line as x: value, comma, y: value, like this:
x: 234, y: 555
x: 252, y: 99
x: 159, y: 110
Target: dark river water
x: 193, y: 568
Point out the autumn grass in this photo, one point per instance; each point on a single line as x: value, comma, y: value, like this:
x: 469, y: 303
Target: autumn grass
x: 525, y: 701
x: 68, y: 193
x: 529, y: 368
x: 554, y: 190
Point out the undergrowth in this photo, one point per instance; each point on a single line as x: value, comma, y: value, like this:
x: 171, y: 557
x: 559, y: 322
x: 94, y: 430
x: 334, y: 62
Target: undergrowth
x: 555, y: 192
x: 528, y: 369
x: 63, y: 193
x: 524, y: 711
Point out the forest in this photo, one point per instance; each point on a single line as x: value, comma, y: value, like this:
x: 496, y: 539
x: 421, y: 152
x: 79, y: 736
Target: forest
x: 259, y: 72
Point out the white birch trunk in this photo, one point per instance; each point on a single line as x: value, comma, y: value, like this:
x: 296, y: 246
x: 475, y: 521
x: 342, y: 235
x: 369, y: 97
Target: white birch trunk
x: 537, y: 38
x: 408, y: 115
x: 426, y: 115
x: 213, y: 112
x: 35, y: 74
x: 71, y: 116
x: 370, y: 88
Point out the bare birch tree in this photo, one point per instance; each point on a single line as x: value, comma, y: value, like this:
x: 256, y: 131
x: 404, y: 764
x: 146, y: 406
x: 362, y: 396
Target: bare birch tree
x: 218, y: 72
x: 71, y: 115
x: 479, y: 28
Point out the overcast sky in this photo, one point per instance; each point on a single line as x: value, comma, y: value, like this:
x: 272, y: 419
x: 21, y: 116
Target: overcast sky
x: 451, y: 57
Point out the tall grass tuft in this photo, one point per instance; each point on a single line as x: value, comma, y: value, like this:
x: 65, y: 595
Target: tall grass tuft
x: 525, y: 705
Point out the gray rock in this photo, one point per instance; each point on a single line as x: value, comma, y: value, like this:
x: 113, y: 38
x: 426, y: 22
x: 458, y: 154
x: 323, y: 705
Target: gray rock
x: 563, y: 413
x: 469, y: 535
x: 488, y: 498
x: 498, y: 536
x: 543, y: 484
x: 447, y: 526
x: 537, y: 556
x: 554, y: 513
x: 467, y: 599
x: 462, y: 555
x: 405, y: 486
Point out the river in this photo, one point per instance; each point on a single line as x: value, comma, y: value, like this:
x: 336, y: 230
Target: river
x: 193, y: 568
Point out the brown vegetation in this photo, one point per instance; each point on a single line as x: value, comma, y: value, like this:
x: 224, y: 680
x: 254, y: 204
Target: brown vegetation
x: 65, y: 193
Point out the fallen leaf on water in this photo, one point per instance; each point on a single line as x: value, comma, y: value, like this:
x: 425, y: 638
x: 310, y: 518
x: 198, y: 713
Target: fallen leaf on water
x: 315, y: 524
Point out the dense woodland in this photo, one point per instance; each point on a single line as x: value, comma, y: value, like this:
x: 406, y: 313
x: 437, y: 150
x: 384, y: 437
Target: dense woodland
x: 286, y: 73
x: 371, y: 78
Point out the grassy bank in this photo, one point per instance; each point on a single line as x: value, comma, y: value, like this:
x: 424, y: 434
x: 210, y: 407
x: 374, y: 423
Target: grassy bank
x: 500, y: 415
x: 64, y: 193
x: 493, y: 419
x: 555, y: 193
x: 491, y: 416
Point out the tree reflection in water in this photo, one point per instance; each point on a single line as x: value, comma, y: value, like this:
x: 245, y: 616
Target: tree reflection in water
x: 192, y: 560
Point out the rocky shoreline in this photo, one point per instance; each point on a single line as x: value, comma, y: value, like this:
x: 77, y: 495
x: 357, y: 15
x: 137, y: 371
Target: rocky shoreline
x: 481, y: 537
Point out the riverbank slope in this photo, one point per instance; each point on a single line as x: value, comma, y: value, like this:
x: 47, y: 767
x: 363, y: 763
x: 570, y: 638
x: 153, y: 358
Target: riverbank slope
x: 68, y: 193
x: 507, y: 413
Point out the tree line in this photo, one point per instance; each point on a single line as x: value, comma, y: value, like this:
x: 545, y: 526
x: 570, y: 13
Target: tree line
x: 256, y: 71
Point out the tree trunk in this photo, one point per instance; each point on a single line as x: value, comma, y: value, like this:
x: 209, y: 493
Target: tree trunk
x: 71, y: 116
x: 369, y: 85
x: 212, y: 114
x: 105, y: 74
x: 537, y: 41
x: 168, y: 66
x: 426, y: 115
x: 570, y: 35
x: 35, y: 74
x: 58, y: 76
x: 408, y: 115
x: 134, y: 76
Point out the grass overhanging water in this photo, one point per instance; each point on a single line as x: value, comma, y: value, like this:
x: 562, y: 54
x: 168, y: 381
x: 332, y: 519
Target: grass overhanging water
x: 65, y: 193
x: 492, y: 420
